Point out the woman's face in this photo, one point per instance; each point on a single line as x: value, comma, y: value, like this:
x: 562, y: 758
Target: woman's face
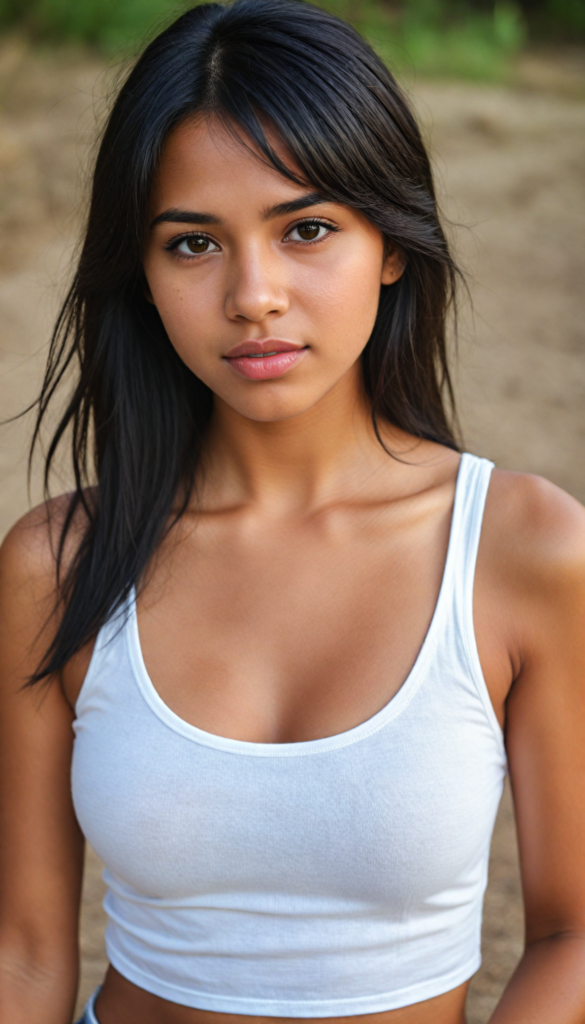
x: 268, y: 294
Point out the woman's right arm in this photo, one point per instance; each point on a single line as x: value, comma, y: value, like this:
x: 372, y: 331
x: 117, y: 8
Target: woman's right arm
x: 41, y: 846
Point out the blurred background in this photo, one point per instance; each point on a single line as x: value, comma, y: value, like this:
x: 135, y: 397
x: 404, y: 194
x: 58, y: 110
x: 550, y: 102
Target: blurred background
x: 499, y: 87
x: 474, y: 38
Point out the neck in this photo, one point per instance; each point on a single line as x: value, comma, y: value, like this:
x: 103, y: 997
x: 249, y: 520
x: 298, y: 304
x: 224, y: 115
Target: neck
x: 293, y: 464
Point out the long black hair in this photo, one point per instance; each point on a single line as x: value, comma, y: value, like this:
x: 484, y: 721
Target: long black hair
x: 137, y: 416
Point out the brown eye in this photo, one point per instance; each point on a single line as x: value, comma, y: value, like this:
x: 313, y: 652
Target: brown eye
x: 309, y: 231
x: 193, y: 245
x: 196, y: 244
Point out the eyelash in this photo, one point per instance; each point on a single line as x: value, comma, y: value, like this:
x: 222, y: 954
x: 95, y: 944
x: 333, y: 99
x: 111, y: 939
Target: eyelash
x: 313, y: 220
x: 173, y: 243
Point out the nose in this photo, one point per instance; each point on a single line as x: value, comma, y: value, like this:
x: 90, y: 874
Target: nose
x: 256, y: 287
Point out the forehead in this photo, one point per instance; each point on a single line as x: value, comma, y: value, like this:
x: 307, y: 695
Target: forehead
x: 203, y: 159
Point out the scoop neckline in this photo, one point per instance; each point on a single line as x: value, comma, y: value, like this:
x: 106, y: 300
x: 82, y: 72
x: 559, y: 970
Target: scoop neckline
x: 390, y: 711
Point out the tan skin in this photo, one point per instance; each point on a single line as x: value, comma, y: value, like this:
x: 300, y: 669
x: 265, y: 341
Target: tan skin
x: 311, y: 539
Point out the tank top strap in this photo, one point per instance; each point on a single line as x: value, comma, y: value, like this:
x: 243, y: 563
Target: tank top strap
x: 109, y: 650
x: 118, y: 622
x: 457, y: 643
x: 472, y: 488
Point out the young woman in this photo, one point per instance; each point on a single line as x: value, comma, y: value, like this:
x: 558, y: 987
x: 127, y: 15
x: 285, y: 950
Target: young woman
x: 270, y: 648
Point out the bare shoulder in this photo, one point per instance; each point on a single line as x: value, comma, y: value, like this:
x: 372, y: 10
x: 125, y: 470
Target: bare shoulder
x: 534, y: 534
x: 29, y: 610
x: 28, y: 554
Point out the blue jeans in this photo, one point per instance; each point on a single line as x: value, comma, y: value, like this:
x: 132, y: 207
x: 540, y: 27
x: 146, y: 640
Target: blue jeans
x: 89, y: 1016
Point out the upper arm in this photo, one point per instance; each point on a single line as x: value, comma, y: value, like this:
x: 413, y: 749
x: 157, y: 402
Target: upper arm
x: 41, y: 853
x: 542, y: 564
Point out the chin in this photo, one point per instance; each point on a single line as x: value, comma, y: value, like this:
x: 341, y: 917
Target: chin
x: 271, y: 408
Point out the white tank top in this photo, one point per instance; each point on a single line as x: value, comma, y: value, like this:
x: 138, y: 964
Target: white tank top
x: 331, y: 877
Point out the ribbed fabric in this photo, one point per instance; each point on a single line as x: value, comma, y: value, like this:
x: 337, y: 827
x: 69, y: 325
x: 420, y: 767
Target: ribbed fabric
x: 332, y: 877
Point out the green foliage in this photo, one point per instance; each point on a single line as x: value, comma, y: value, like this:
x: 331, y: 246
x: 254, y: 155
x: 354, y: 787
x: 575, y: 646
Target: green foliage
x: 565, y: 19
x: 106, y: 24
x: 459, y: 38
x: 438, y: 37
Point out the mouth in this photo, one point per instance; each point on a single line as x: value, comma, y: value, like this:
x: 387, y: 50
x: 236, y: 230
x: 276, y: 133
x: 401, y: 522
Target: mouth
x: 264, y: 360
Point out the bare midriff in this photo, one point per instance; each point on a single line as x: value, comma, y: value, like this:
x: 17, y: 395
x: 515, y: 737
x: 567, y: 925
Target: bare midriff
x: 121, y: 1002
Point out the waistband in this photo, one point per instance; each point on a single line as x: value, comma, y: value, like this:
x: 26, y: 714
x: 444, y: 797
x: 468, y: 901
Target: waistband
x: 88, y: 1016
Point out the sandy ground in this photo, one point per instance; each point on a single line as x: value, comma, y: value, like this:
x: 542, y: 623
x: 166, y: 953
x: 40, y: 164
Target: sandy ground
x: 510, y: 167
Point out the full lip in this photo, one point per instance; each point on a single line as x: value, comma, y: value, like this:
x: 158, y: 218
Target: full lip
x: 263, y: 347
x: 264, y: 359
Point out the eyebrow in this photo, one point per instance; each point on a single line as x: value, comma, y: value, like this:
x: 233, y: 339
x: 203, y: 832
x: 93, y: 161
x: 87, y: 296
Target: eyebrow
x: 175, y: 216
x: 282, y: 209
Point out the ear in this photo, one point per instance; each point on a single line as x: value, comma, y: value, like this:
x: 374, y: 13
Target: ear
x: 393, y: 266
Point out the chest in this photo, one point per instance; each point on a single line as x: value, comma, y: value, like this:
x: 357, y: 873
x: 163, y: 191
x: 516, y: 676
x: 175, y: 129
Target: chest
x: 292, y: 634
x: 397, y: 808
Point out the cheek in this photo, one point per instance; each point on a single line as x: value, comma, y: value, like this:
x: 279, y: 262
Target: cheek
x: 188, y: 313
x: 343, y: 297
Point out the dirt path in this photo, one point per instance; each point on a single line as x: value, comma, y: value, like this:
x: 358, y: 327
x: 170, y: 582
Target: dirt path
x: 510, y: 163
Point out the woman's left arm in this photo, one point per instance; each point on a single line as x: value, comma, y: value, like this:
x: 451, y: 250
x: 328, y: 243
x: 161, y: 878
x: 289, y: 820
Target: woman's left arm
x: 545, y: 740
